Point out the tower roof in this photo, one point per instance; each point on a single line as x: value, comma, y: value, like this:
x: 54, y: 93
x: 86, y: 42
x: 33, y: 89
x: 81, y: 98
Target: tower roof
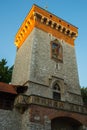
x: 48, y: 22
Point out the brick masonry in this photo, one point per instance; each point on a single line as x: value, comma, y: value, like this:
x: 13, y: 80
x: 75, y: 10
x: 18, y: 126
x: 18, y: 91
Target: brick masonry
x: 49, y: 114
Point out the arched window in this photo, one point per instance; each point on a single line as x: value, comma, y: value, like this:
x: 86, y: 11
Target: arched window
x: 56, y: 92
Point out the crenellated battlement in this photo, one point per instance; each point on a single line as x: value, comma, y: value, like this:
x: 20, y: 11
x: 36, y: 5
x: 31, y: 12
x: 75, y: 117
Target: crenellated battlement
x: 47, y: 22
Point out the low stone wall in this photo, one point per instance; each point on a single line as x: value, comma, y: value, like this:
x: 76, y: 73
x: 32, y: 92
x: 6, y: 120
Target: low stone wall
x: 10, y: 120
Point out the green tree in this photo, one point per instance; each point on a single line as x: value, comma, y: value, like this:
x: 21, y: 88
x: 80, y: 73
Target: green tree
x: 84, y: 94
x: 5, y: 71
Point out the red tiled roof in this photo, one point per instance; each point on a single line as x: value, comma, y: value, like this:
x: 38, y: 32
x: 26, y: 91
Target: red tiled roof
x: 9, y: 88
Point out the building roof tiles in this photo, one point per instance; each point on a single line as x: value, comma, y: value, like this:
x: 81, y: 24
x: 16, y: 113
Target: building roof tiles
x: 8, y: 88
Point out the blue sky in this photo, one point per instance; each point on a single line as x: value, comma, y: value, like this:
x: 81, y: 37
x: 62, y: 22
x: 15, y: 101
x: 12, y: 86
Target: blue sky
x: 13, y: 12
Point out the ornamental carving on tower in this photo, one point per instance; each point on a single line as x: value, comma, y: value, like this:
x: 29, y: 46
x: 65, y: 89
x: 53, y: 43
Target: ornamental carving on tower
x: 56, y: 51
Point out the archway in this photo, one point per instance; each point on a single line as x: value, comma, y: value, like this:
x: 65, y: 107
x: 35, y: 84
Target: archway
x: 65, y: 123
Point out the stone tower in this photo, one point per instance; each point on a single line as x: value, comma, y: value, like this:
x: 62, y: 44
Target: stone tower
x: 46, y: 64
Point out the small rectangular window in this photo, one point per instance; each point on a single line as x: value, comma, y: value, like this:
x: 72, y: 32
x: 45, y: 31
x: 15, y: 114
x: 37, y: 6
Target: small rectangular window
x: 56, y: 96
x: 6, y: 101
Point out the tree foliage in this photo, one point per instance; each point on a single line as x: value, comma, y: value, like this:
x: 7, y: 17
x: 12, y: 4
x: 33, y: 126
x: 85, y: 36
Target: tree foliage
x: 5, y: 71
x: 84, y: 94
